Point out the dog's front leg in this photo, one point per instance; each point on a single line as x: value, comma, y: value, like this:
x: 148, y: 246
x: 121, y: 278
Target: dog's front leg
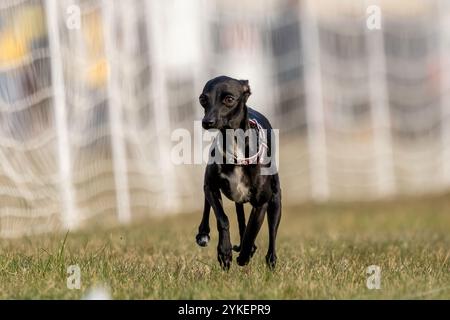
x: 203, y: 230
x: 224, y: 254
x: 241, y: 222
x: 251, y: 231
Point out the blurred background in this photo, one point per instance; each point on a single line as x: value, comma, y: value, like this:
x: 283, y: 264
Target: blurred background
x: 91, y: 90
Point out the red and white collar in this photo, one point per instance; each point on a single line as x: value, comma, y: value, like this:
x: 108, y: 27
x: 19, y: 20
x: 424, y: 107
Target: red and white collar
x: 258, y: 157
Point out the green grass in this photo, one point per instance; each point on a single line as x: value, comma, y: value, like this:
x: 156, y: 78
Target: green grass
x: 323, y: 252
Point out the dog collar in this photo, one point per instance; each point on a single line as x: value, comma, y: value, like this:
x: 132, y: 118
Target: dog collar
x: 257, y: 158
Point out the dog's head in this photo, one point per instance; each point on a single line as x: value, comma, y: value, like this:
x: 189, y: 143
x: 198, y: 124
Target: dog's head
x: 223, y: 99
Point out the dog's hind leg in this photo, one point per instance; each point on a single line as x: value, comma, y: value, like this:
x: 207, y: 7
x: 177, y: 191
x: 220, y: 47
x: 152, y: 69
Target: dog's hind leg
x: 273, y: 220
x: 251, y: 231
x: 241, y: 222
x: 202, y: 237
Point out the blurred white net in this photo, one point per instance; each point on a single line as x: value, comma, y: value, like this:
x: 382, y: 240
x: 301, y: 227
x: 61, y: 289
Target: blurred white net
x: 87, y: 110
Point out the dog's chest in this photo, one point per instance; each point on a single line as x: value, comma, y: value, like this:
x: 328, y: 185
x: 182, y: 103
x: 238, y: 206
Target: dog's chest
x: 236, y: 186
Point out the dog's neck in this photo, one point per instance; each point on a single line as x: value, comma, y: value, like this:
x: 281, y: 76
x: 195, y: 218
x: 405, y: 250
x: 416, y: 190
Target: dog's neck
x: 244, y: 124
x: 241, y: 122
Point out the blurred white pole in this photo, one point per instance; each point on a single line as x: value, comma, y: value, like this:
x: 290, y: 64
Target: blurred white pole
x: 314, y: 102
x: 381, y: 120
x: 59, y: 103
x: 128, y: 20
x: 115, y: 113
x: 444, y: 42
x: 160, y: 105
x: 204, y: 11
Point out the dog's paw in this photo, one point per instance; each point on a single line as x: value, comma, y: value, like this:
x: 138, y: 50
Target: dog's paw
x: 225, y: 256
x: 253, y: 251
x: 242, y: 261
x: 271, y: 260
x: 244, y: 258
x: 202, y: 239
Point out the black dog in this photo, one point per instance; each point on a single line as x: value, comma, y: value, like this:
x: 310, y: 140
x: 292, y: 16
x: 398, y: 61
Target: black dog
x: 224, y: 100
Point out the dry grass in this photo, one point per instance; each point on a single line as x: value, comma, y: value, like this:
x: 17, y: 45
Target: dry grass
x: 324, y: 251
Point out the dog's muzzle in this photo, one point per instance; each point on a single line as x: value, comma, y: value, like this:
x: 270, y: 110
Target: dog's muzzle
x: 208, y: 124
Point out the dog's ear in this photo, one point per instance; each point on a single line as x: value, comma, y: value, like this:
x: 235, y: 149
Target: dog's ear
x: 246, y: 87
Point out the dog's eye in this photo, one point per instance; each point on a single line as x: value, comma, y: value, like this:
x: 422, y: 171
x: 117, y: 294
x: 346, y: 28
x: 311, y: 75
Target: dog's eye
x: 228, y: 100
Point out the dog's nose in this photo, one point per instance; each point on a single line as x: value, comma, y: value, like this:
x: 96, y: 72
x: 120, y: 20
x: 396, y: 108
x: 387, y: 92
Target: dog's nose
x: 208, y: 123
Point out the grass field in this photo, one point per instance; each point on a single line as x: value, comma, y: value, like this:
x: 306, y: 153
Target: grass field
x: 323, y: 253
